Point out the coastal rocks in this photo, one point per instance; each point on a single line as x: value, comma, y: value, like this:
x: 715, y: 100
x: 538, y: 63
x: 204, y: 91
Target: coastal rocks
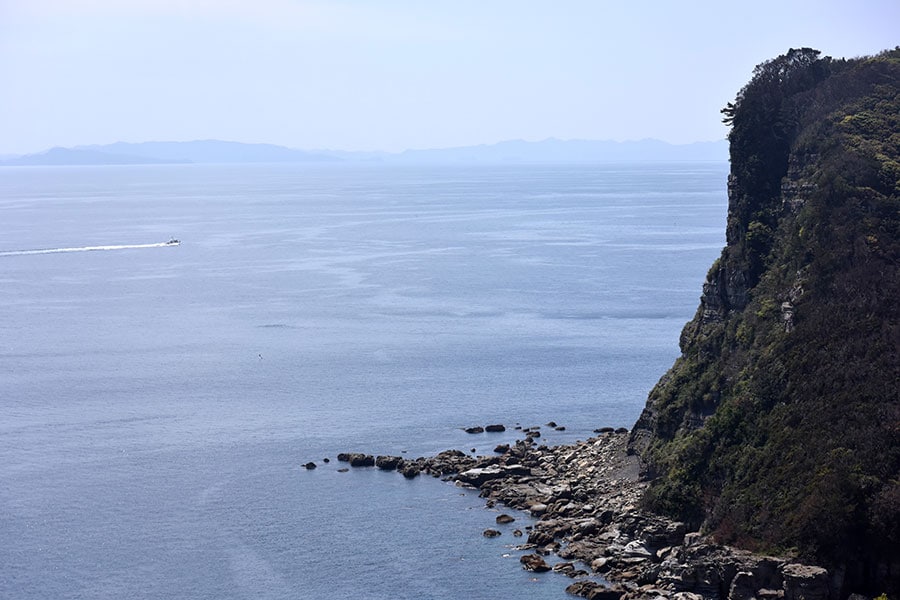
x: 445, y: 463
x: 495, y: 428
x: 586, y: 498
x: 309, y: 466
x: 477, y: 429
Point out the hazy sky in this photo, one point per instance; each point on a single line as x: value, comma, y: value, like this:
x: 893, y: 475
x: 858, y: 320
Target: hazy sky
x: 396, y: 74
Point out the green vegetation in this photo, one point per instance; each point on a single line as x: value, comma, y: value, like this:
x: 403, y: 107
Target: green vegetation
x: 779, y: 427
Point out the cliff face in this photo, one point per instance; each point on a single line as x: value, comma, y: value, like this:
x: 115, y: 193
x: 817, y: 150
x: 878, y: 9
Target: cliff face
x: 778, y: 429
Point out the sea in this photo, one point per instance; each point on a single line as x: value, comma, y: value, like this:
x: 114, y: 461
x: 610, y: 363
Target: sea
x: 158, y: 401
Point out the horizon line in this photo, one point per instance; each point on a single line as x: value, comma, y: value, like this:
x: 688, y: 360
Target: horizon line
x: 88, y: 146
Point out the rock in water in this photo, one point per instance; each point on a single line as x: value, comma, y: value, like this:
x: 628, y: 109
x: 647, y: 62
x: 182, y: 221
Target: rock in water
x: 388, y: 463
x: 534, y: 563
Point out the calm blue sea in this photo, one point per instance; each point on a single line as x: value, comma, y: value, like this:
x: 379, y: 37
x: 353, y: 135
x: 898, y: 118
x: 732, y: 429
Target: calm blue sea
x: 157, y: 402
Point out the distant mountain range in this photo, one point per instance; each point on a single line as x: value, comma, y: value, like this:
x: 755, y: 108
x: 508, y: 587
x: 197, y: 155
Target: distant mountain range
x: 514, y: 151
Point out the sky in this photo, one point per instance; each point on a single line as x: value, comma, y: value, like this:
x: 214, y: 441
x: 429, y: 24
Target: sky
x: 396, y: 74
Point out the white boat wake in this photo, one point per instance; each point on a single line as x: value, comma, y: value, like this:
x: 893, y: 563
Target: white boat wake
x: 89, y: 248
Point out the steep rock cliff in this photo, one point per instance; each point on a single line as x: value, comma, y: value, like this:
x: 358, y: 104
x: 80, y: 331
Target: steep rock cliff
x: 778, y: 428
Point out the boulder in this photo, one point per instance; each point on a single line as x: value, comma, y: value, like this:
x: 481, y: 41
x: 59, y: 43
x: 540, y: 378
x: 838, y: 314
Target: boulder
x: 582, y: 588
x: 503, y: 519
x: 476, y: 429
x: 362, y: 460
x: 537, y: 509
x: 600, y: 565
x: 450, y: 461
x: 743, y: 587
x: 477, y: 476
x: 534, y: 563
x: 357, y: 459
x: 490, y: 533
x: 388, y: 463
x: 635, y: 549
x: 409, y: 470
x: 495, y: 428
x: 501, y: 448
x: 309, y: 466
x: 539, y: 537
x: 802, y: 582
x: 594, y: 591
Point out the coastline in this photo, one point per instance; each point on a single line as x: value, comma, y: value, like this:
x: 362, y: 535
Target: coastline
x: 587, y: 499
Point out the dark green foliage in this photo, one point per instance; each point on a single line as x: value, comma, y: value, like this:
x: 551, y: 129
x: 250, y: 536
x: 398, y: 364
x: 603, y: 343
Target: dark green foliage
x: 779, y: 427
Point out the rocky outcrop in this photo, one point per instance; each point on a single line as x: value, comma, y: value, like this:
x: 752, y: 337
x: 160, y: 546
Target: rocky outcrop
x: 587, y: 498
x: 763, y: 431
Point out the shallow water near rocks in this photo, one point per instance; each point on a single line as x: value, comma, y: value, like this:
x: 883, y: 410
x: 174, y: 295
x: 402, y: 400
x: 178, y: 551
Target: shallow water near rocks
x: 158, y: 402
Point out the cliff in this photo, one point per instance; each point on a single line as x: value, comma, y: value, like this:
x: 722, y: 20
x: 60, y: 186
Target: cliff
x: 778, y: 428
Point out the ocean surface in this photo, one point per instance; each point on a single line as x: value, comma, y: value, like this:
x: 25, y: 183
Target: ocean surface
x: 157, y: 402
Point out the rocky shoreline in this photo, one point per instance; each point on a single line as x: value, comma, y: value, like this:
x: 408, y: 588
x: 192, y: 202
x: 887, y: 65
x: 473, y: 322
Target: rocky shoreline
x: 586, y: 497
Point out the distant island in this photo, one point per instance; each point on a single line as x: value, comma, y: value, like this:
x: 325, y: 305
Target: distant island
x: 507, y: 152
